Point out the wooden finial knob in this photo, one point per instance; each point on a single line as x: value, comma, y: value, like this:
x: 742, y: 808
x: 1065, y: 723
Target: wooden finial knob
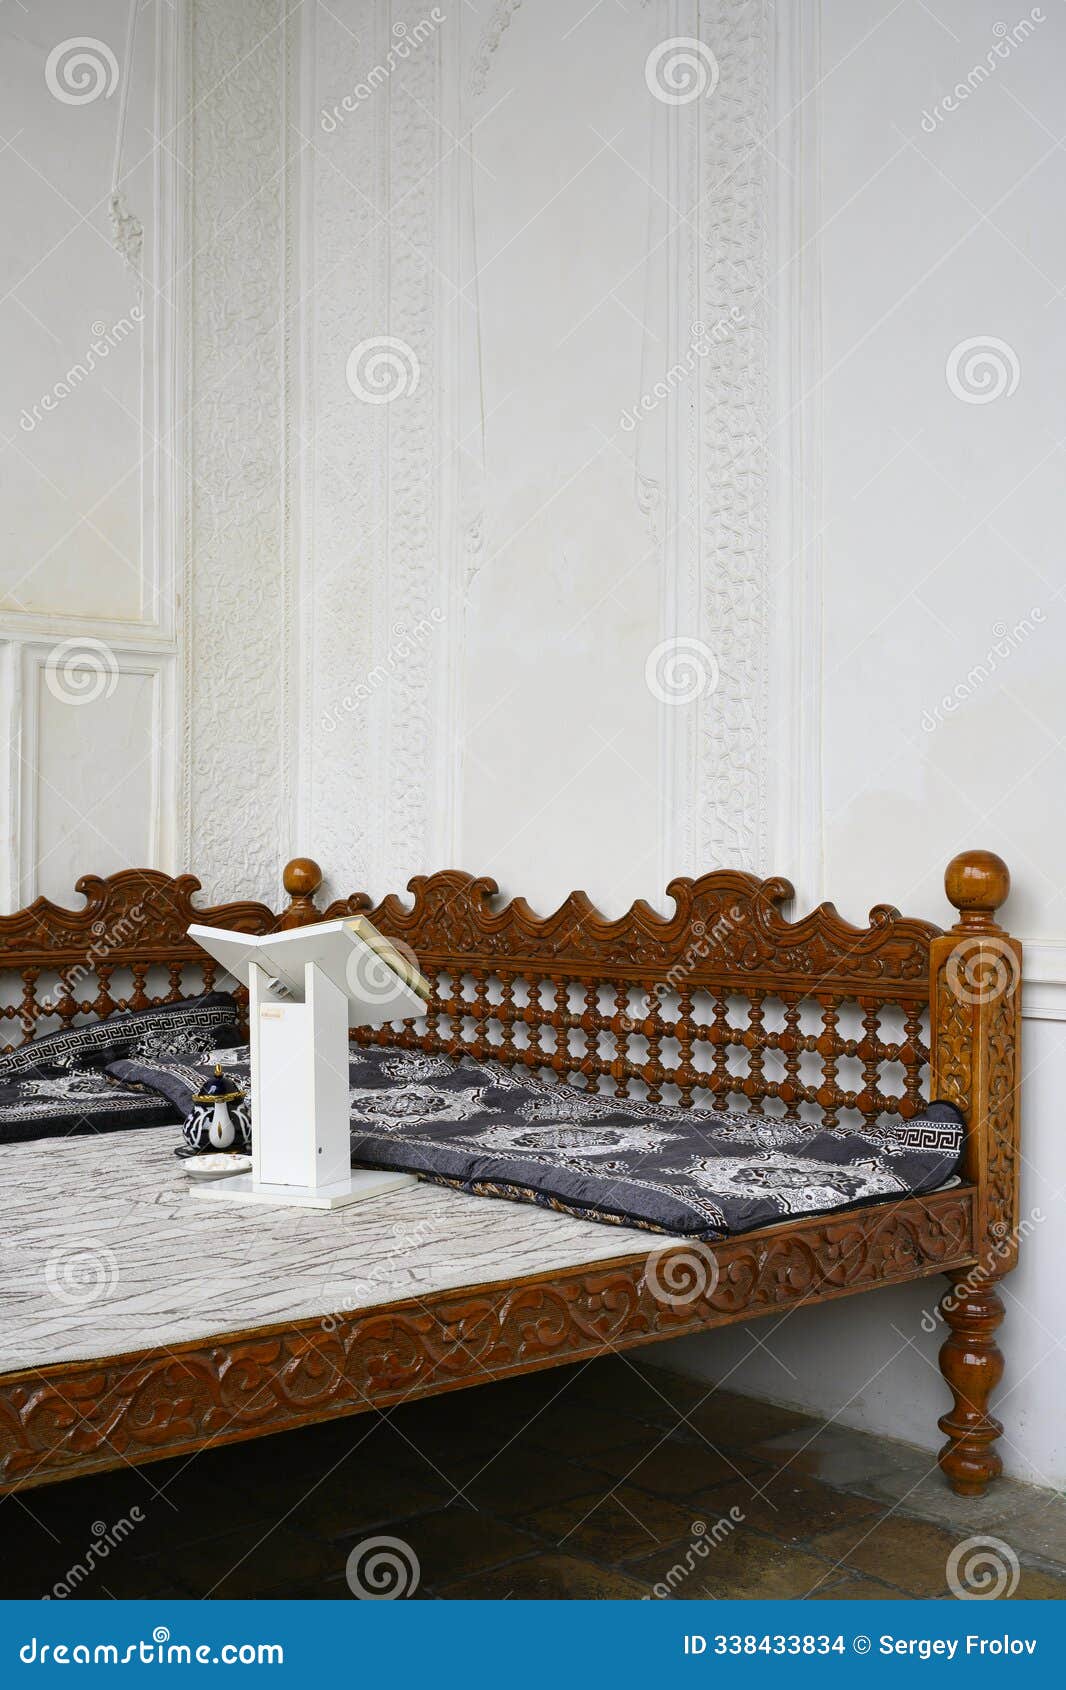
x: 977, y: 883
x: 301, y: 878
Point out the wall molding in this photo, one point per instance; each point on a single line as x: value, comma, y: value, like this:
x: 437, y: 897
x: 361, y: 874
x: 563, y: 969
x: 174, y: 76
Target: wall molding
x: 30, y: 670
x: 668, y: 448
x: 414, y: 753
x: 236, y: 558
x: 729, y: 820
x: 702, y: 484
x: 381, y: 606
x: 296, y: 416
x: 795, y: 448
x: 461, y: 491
x: 1043, y: 980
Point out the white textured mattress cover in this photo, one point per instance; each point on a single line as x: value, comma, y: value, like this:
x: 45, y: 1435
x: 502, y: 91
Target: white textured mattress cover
x: 103, y: 1250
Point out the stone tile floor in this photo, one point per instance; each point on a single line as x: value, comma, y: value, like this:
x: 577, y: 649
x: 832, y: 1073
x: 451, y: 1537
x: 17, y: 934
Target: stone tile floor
x: 611, y: 1480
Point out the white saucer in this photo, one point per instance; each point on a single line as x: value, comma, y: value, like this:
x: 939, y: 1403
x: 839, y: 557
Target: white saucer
x: 218, y: 1165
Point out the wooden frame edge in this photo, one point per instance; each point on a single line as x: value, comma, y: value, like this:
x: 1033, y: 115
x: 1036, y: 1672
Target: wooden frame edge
x: 69, y: 1419
x: 975, y: 981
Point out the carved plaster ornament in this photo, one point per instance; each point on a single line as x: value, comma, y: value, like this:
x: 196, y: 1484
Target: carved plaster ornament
x: 127, y: 230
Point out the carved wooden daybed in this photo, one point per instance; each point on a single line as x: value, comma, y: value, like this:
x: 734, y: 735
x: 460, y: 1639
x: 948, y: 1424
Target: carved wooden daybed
x: 723, y: 1001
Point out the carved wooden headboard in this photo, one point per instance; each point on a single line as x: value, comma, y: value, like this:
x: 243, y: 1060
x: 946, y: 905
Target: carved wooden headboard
x: 725, y: 997
x: 724, y: 1001
x: 127, y: 948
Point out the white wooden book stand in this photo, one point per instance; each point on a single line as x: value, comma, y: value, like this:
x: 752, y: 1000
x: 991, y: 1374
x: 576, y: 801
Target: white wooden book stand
x: 306, y: 988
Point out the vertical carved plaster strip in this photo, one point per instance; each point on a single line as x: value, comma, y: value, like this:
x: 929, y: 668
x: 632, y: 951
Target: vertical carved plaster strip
x: 731, y: 807
x: 297, y: 121
x: 234, y: 578
x: 375, y: 739
x: 461, y: 481
x: 415, y: 751
x: 667, y: 443
x: 344, y: 518
x: 496, y: 27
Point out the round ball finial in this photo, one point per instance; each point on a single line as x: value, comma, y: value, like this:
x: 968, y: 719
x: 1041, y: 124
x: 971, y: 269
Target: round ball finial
x: 302, y: 877
x: 977, y: 883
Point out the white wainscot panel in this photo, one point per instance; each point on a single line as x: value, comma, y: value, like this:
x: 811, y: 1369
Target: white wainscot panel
x: 87, y: 325
x: 96, y: 758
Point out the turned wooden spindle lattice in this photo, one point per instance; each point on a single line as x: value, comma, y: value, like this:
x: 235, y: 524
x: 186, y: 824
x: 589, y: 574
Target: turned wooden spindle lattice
x: 723, y: 1003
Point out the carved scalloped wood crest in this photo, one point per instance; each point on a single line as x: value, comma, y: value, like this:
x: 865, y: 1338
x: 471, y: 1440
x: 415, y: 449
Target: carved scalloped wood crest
x: 134, y: 915
x: 136, y: 920
x: 724, y: 924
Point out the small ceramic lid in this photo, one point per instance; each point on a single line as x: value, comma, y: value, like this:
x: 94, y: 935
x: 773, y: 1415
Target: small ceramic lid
x: 218, y: 1089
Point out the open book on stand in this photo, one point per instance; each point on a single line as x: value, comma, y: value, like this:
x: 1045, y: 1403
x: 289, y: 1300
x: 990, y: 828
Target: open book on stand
x: 380, y: 983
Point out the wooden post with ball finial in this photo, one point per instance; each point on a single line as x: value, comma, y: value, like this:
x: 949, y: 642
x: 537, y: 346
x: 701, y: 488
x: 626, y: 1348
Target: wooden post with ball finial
x: 975, y: 1009
x: 301, y: 879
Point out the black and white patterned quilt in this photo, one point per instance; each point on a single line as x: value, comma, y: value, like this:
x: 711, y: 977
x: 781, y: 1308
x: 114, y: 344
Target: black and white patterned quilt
x: 485, y: 1129
x: 72, y: 1105
x: 190, y: 1027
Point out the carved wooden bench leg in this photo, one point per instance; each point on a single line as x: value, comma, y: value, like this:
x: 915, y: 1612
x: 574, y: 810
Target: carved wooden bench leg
x: 972, y: 1363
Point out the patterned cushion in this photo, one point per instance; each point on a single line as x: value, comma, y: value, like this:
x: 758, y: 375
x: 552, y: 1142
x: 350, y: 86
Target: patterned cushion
x: 484, y: 1129
x: 192, y: 1026
x: 74, y: 1104
x: 179, y: 1079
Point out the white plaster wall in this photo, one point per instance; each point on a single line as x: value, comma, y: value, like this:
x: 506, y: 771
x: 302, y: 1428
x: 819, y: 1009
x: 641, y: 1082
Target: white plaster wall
x: 942, y: 517
x: 87, y: 601
x: 608, y: 226
x: 560, y: 732
x: 375, y: 612
x: 490, y: 556
x: 940, y: 541
x: 147, y: 576
x: 402, y: 634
